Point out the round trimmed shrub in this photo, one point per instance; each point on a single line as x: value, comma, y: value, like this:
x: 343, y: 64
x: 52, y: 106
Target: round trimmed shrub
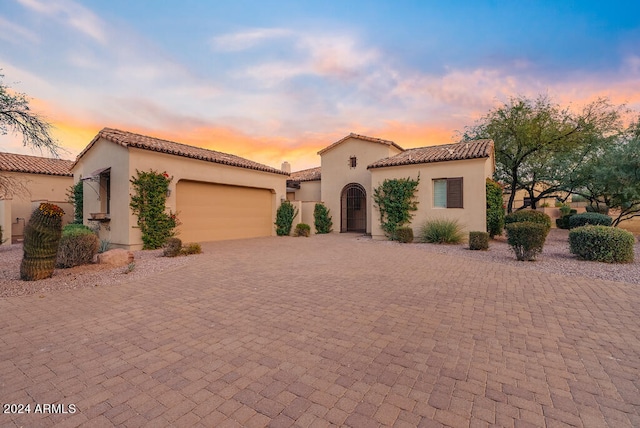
x: 583, y: 219
x: 526, y: 238
x: 602, y: 244
x: 78, y: 245
x: 478, y: 240
x: 172, y: 247
x: 529, y: 216
x: 302, y: 229
x: 404, y: 234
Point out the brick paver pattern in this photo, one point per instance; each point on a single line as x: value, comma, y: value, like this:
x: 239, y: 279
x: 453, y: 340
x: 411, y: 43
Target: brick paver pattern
x: 327, y: 331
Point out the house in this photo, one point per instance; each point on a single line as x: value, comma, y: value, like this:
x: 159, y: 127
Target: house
x: 33, y: 179
x: 216, y: 195
x: 452, y: 182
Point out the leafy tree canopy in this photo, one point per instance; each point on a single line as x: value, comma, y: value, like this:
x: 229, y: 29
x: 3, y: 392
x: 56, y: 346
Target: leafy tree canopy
x: 537, y: 141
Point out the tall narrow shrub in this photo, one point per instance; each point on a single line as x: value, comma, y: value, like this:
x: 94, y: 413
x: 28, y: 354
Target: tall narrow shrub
x: 395, y: 201
x: 148, y: 204
x: 284, y: 218
x: 75, y: 196
x: 495, y: 208
x: 322, y: 218
x: 40, y: 246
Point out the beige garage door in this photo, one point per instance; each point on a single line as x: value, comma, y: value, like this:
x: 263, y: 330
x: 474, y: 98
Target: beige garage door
x: 213, y: 212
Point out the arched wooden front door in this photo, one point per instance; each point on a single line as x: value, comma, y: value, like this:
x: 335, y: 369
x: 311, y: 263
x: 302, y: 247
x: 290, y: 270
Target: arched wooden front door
x: 354, y: 209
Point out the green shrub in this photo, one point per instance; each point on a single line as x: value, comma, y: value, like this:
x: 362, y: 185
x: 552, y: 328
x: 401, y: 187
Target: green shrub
x: 526, y: 238
x: 76, y: 229
x: 595, y: 219
x: 395, y: 199
x: 302, y: 229
x: 495, y: 208
x: 602, y: 244
x: 284, y: 218
x: 563, y: 222
x: 404, y: 234
x: 322, y: 219
x: 78, y: 245
x: 529, y: 216
x: 172, y: 247
x: 565, y: 209
x: 602, y: 209
x: 478, y: 240
x: 441, y: 231
x: 75, y: 196
x: 192, y: 248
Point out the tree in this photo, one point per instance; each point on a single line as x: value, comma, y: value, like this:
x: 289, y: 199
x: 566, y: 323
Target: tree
x: 537, y: 142
x: 17, y: 117
x: 611, y: 179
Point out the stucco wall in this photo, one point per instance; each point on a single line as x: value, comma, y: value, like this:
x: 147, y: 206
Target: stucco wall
x: 124, y: 163
x: 309, y: 191
x: 36, y: 187
x: 105, y: 154
x: 472, y: 217
x: 337, y: 173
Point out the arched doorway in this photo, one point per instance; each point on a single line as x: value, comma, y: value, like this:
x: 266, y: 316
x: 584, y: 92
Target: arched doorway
x: 353, y: 204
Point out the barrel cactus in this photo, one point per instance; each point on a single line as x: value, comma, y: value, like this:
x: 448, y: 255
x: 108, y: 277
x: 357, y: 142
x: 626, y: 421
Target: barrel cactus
x: 40, y: 245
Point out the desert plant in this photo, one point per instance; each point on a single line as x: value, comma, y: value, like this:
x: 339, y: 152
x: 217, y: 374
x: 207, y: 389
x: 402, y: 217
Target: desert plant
x: 395, y: 201
x: 302, y: 229
x: 2, y: 241
x: 565, y: 209
x: 404, y: 234
x: 441, y: 231
x: 192, y: 248
x: 602, y: 244
x: 526, y: 238
x: 322, y: 218
x: 105, y: 244
x: 595, y: 219
x: 40, y: 246
x: 284, y: 218
x: 172, y: 247
x: 130, y: 268
x: 529, y: 216
x: 78, y: 245
x: 495, y: 208
x: 478, y: 240
x: 148, y: 204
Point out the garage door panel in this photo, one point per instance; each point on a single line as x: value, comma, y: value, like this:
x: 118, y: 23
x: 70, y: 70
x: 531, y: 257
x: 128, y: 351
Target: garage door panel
x: 211, y: 212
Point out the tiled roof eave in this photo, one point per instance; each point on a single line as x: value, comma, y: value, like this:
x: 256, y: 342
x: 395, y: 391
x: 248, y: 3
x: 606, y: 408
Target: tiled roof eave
x: 205, y: 158
x: 423, y: 161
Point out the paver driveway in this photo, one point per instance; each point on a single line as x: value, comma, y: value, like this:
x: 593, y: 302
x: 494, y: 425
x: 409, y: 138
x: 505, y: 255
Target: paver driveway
x: 330, y: 330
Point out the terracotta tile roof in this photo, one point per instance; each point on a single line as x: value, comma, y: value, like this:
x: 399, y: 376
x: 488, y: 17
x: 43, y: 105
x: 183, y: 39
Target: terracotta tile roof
x: 311, y: 174
x: 129, y: 139
x: 447, y: 152
x: 12, y: 162
x: 360, y: 137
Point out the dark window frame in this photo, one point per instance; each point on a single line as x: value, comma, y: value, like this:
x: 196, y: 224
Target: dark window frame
x: 454, y: 192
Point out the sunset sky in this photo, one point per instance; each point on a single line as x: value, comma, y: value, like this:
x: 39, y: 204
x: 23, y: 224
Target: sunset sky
x: 279, y: 80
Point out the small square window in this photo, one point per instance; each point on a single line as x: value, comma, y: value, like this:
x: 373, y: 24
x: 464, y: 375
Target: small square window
x: 447, y: 193
x: 353, y: 161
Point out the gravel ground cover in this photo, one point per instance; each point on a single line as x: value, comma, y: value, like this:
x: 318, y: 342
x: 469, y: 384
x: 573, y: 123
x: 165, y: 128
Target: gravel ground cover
x: 555, y: 258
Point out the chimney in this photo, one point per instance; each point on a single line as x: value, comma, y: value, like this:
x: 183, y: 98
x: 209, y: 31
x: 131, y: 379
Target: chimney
x: 286, y: 167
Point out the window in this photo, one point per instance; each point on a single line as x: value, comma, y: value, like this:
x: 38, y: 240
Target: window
x: 105, y: 191
x: 353, y: 161
x: 447, y: 193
